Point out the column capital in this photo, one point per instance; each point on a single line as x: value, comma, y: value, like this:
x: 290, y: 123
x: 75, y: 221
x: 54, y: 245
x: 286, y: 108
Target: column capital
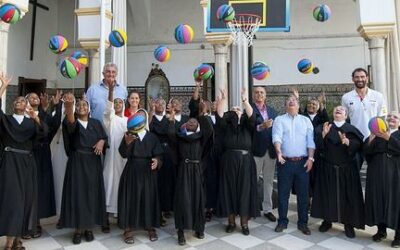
x: 204, y: 3
x: 225, y: 38
x: 375, y: 30
x: 220, y: 48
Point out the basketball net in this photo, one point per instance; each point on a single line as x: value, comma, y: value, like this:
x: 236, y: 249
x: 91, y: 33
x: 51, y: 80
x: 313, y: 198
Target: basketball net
x: 244, y: 25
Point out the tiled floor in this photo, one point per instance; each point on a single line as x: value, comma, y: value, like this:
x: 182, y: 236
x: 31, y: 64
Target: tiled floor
x: 262, y: 236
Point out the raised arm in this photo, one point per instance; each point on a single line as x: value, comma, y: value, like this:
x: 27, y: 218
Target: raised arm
x: 246, y: 105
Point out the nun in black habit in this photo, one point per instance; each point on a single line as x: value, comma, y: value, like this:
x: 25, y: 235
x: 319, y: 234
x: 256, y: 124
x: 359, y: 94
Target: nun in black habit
x: 190, y: 199
x: 18, y: 183
x: 238, y: 178
x: 46, y: 197
x: 138, y: 204
x: 382, y: 191
x: 338, y: 193
x: 83, y: 199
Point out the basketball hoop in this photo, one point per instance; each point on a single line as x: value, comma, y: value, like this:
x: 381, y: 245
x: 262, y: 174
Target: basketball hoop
x: 244, y: 25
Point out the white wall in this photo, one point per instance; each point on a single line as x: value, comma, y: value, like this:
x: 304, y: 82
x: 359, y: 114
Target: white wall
x: 334, y: 46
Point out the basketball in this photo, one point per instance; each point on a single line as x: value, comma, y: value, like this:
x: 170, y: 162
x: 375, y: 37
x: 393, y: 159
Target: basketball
x: 322, y: 13
x: 70, y: 67
x: 117, y: 38
x: 82, y: 58
x: 9, y: 13
x: 377, y: 124
x: 136, y: 122
x: 184, y: 33
x: 225, y: 13
x: 260, y: 71
x: 305, y: 66
x: 58, y: 44
x: 203, y: 72
x: 162, y: 54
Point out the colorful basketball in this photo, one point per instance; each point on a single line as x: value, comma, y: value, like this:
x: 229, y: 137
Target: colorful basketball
x: 260, y: 71
x: 58, y: 44
x: 82, y: 58
x: 70, y: 67
x: 305, y: 66
x: 225, y: 13
x: 117, y: 38
x: 184, y: 33
x: 377, y: 124
x: 9, y: 13
x: 203, y: 72
x: 322, y: 13
x: 162, y: 54
x: 136, y: 122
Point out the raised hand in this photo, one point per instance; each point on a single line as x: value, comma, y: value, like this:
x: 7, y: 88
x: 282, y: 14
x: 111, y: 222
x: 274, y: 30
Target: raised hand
x: 55, y: 99
x: 322, y: 100
x: 384, y: 135
x: 69, y: 99
x: 295, y: 92
x: 129, y: 138
x: 325, y: 129
x: 5, y: 81
x: 243, y: 95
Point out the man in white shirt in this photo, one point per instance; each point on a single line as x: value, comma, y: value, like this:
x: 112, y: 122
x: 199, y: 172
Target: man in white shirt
x: 363, y: 103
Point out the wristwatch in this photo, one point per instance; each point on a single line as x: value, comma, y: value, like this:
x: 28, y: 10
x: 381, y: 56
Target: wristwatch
x: 311, y: 159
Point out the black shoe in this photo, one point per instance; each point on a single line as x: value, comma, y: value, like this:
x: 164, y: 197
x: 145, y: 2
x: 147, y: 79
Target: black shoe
x: 77, y: 238
x: 181, y: 238
x: 230, y: 228
x: 325, y: 226
x: 58, y: 226
x: 199, y: 235
x: 304, y: 229
x: 280, y: 227
x: 245, y: 230
x: 163, y: 221
x: 379, y: 236
x: 208, y: 216
x: 270, y: 216
x: 105, y: 229
x: 396, y: 243
x: 349, y: 231
x: 89, y: 236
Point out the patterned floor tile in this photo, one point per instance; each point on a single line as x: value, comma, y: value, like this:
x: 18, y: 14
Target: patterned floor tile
x: 242, y: 241
x: 337, y: 243
x: 217, y: 244
x: 95, y: 245
x: 291, y: 242
x: 42, y: 243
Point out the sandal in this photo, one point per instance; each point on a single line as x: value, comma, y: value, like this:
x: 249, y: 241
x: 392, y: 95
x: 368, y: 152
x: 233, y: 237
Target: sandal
x: 8, y: 248
x: 38, y: 232
x: 153, y: 235
x: 17, y: 245
x: 128, y: 237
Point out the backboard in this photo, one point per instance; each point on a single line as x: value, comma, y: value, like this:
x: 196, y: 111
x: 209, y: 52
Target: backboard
x: 275, y: 14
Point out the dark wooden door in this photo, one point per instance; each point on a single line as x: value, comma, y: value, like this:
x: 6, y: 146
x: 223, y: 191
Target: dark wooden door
x: 26, y: 86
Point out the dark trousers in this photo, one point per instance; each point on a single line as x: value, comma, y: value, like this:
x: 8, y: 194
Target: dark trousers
x: 289, y: 174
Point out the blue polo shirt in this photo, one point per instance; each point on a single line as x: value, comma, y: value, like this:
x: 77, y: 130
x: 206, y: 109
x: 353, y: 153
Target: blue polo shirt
x: 97, y: 96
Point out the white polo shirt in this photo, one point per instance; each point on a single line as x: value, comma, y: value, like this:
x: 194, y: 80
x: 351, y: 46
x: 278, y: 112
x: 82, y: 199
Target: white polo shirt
x: 361, y: 111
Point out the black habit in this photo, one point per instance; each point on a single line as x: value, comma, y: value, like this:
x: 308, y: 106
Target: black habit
x: 18, y: 180
x: 42, y: 153
x: 83, y: 197
x: 138, y: 205
x: 190, y: 199
x: 382, y: 191
x: 238, y: 177
x: 338, y: 193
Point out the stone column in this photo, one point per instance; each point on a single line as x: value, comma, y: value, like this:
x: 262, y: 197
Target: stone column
x: 4, y: 28
x: 94, y: 66
x: 119, y: 55
x: 375, y: 35
x: 376, y: 47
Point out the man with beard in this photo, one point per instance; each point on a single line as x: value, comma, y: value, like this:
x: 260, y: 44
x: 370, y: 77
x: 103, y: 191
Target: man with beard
x: 363, y: 103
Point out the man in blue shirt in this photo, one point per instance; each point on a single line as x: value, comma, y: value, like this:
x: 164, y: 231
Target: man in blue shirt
x: 293, y: 138
x: 97, y: 94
